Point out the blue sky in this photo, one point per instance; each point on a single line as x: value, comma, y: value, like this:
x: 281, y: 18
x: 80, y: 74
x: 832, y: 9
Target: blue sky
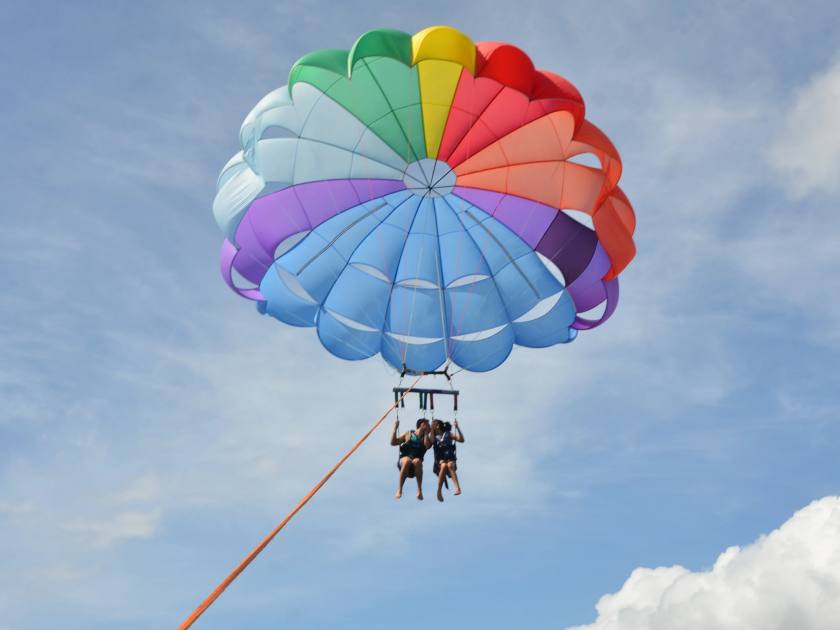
x: 153, y: 427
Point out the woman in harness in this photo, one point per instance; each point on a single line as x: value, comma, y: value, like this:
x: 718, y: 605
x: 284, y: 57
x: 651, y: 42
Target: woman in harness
x: 445, y: 455
x: 413, y: 446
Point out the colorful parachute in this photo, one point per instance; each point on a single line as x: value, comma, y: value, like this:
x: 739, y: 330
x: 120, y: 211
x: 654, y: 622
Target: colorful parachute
x: 408, y: 197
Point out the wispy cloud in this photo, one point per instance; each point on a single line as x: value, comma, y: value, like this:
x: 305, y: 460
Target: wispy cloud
x: 119, y: 527
x: 806, y: 150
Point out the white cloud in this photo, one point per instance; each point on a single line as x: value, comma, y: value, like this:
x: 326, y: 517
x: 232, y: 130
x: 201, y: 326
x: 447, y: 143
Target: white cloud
x: 788, y: 260
x: 787, y: 580
x: 807, y: 151
x: 121, y: 526
x: 15, y: 509
x: 143, y: 489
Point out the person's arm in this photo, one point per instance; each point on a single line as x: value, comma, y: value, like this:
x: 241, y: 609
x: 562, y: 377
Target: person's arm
x: 429, y: 438
x: 459, y: 435
x: 394, y: 440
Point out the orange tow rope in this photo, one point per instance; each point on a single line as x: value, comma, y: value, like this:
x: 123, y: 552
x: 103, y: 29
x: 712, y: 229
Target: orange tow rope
x: 189, y: 621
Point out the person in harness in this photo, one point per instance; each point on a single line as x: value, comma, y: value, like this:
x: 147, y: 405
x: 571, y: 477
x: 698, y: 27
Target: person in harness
x: 413, y: 446
x: 445, y: 455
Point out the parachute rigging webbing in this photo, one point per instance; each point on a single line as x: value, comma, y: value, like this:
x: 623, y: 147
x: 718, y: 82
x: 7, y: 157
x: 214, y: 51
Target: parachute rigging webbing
x: 189, y: 621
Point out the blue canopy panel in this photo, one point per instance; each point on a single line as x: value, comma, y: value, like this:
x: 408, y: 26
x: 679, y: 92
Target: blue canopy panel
x: 415, y: 353
x: 359, y: 296
x: 345, y: 338
x: 460, y: 255
x: 286, y: 299
x: 416, y: 312
x: 420, y: 281
x: 548, y: 323
x: 421, y: 256
x: 474, y: 307
x: 302, y: 278
x: 481, y: 354
x: 383, y: 250
x: 526, y: 294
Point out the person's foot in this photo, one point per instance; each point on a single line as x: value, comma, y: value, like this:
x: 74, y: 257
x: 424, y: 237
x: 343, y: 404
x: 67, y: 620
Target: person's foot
x: 398, y: 495
x: 419, y: 495
x: 440, y: 496
x: 457, y: 491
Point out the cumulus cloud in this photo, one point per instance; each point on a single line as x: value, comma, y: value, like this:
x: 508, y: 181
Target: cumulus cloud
x: 787, y: 580
x: 807, y: 152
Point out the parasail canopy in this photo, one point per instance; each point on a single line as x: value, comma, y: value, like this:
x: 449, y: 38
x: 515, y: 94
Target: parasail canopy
x: 411, y: 197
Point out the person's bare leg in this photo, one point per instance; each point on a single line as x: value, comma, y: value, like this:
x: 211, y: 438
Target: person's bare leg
x: 418, y: 472
x: 441, y: 479
x: 451, y: 466
x: 406, y: 462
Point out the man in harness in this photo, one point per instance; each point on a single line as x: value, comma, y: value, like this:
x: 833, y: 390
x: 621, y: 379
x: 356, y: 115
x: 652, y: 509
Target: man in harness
x: 413, y: 446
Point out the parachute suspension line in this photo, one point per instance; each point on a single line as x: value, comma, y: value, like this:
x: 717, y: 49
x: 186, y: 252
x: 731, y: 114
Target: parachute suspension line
x: 414, y: 292
x: 453, y: 392
x: 441, y: 288
x: 189, y: 621
x: 459, y: 257
x: 399, y: 401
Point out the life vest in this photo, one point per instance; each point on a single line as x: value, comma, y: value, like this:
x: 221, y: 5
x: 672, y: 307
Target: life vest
x: 444, y: 446
x: 413, y: 447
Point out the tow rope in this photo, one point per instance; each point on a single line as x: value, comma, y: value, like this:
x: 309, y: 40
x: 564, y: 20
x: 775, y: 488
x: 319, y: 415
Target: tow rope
x: 189, y: 621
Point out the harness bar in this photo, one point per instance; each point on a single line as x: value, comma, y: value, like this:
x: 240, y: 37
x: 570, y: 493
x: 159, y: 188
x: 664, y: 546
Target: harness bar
x: 427, y: 396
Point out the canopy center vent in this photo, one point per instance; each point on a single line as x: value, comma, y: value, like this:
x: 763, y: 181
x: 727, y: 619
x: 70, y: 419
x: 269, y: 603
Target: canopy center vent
x: 430, y: 178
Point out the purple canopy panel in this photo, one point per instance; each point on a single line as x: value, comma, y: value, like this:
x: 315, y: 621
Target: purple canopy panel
x: 611, y: 293
x: 587, y: 290
x: 527, y: 219
x: 226, y: 261
x: 325, y: 199
x: 367, y: 189
x: 268, y: 221
x: 570, y: 245
x: 272, y: 219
